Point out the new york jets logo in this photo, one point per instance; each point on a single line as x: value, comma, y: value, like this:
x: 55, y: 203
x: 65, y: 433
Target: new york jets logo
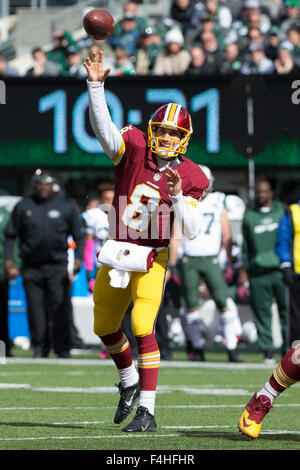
x: 53, y: 214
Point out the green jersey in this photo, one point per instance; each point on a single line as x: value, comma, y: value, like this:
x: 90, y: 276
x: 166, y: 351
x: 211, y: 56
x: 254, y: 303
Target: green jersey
x: 259, y: 238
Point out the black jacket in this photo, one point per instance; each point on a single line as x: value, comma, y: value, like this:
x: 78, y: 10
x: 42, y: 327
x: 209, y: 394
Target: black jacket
x: 43, y: 227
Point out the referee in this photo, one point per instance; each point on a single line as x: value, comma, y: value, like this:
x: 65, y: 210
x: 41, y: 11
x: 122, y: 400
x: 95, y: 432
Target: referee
x: 42, y: 223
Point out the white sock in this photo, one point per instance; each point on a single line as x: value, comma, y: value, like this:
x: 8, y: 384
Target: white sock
x: 269, y: 392
x: 227, y: 319
x: 237, y: 322
x: 147, y: 399
x: 128, y: 376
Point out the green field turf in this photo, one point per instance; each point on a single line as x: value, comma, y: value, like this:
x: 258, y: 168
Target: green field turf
x: 69, y: 405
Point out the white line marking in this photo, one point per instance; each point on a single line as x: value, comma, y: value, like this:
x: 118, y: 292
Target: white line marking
x: 168, y: 364
x: 197, y: 427
x: 75, y: 422
x: 275, y: 431
x: 75, y: 389
x: 201, y: 390
x: 125, y: 436
x: 5, y: 386
x: 160, y: 389
x: 55, y: 408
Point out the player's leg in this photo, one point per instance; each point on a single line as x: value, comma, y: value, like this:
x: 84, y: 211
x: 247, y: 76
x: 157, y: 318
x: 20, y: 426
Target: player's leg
x: 33, y: 282
x: 285, y: 374
x: 294, y: 300
x: 229, y: 318
x: 147, y: 293
x: 193, y: 326
x: 280, y: 297
x: 56, y: 285
x: 110, y: 305
x: 261, y: 292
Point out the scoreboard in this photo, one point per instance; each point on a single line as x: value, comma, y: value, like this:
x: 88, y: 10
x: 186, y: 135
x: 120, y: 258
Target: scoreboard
x: 44, y: 121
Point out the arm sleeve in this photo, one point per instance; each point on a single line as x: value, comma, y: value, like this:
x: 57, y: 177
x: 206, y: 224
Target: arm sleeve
x: 102, y: 125
x: 283, y: 241
x: 185, y: 209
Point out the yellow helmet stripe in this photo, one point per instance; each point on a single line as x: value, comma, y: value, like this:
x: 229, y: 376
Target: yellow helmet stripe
x: 172, y: 112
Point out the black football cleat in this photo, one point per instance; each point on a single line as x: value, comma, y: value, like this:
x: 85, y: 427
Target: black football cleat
x: 233, y: 356
x: 128, y: 398
x: 142, y: 422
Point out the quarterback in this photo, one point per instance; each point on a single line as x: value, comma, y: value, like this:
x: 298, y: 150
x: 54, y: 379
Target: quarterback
x: 154, y: 183
x: 285, y: 374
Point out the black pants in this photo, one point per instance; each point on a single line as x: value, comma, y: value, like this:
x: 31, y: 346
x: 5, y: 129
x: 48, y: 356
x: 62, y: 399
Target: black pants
x: 47, y: 291
x: 294, y: 300
x: 4, y: 336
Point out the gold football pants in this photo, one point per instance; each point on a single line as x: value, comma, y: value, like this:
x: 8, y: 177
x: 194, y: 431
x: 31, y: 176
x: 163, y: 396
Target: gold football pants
x: 145, y: 289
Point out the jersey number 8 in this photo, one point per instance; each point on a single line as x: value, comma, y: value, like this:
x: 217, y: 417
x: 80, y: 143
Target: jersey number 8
x: 144, y: 200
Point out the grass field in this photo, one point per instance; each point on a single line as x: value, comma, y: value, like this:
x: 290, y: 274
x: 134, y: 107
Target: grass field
x: 70, y: 404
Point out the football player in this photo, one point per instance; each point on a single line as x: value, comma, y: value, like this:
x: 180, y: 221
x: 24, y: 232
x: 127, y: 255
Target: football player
x: 200, y: 260
x: 96, y: 222
x: 285, y: 374
x: 154, y: 183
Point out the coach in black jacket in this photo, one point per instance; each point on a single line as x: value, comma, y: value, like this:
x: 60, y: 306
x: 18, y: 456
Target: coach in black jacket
x: 43, y: 222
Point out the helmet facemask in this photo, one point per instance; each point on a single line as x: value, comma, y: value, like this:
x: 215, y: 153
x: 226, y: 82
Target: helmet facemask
x: 171, y: 117
x: 174, y: 147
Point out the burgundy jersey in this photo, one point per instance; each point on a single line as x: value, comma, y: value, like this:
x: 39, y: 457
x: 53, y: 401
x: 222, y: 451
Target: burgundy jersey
x: 142, y: 211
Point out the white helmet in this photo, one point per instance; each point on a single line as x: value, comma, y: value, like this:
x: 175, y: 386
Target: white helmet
x: 235, y: 207
x: 249, y: 332
x: 208, y: 175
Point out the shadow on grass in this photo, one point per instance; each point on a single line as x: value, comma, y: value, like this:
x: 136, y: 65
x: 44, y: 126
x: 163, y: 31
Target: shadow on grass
x: 44, y: 425
x: 238, y: 437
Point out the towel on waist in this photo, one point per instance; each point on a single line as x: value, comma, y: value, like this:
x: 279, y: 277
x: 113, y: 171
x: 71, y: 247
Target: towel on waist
x: 125, y: 257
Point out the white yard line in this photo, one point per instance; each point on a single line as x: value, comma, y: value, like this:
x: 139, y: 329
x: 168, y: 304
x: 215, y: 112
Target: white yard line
x: 109, y: 362
x: 125, y: 436
x: 71, y: 408
x: 197, y: 427
x: 192, y: 390
x: 75, y: 422
x: 274, y: 432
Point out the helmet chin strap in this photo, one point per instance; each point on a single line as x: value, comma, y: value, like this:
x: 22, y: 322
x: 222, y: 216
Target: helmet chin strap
x: 163, y: 162
x: 166, y: 153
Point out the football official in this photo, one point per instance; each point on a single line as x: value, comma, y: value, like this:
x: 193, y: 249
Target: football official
x: 42, y: 222
x: 153, y: 181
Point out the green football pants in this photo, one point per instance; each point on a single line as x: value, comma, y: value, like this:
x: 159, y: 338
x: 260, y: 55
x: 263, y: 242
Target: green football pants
x: 264, y: 290
x: 195, y: 268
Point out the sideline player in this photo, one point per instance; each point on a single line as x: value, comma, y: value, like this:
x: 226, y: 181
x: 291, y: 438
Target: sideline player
x: 153, y: 181
x: 96, y: 220
x: 285, y: 374
x: 200, y: 260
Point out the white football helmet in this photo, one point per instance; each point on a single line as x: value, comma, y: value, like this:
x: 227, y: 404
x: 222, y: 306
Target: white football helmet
x: 235, y: 207
x: 209, y: 176
x: 249, y: 332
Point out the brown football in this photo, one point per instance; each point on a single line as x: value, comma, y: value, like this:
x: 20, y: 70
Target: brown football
x: 98, y: 23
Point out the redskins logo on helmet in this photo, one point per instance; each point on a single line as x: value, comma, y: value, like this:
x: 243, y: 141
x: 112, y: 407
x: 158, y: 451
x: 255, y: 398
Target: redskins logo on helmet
x: 172, y: 116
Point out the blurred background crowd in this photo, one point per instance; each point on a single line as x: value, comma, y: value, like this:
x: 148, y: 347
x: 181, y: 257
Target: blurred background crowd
x: 193, y: 37
x: 187, y: 38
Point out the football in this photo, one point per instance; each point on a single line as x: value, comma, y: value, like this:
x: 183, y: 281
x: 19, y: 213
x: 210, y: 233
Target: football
x: 98, y: 23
